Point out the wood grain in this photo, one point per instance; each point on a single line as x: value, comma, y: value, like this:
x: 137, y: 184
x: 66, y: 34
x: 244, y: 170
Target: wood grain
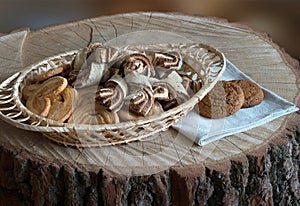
x: 252, y: 167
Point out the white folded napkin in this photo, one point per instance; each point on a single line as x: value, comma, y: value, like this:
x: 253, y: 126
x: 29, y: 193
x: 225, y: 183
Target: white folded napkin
x: 203, y: 130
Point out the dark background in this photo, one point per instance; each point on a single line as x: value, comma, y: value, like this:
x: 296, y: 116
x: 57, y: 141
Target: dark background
x: 279, y: 18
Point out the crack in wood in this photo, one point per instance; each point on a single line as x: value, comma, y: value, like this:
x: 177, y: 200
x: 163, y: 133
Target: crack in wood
x: 194, y: 158
x: 83, y: 38
x: 178, y: 156
x: 131, y: 24
x: 107, y: 159
x: 91, y: 35
x: 116, y: 31
x: 79, y: 154
x: 216, y: 145
x: 148, y: 21
x: 143, y: 154
x: 95, y: 26
x: 233, y: 144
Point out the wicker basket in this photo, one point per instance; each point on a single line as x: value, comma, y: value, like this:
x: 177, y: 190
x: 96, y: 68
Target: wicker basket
x: 208, y: 65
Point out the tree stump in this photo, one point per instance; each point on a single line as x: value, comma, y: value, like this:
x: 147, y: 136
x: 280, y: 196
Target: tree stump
x: 256, y: 167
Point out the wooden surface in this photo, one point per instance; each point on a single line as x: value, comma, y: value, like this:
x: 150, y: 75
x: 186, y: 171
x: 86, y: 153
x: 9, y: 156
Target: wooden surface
x: 257, y: 166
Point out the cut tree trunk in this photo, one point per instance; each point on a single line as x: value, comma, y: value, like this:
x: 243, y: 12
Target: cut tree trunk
x: 256, y: 167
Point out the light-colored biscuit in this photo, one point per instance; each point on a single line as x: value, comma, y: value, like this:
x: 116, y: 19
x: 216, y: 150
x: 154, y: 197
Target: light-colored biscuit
x: 39, y: 96
x: 51, y: 87
x: 107, y: 117
x: 48, y: 74
x: 84, y: 114
x: 61, y: 110
x: 29, y: 90
x: 57, y: 98
x: 39, y: 105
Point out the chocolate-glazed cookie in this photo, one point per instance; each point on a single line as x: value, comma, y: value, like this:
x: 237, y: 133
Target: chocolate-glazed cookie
x: 225, y: 99
x: 253, y: 94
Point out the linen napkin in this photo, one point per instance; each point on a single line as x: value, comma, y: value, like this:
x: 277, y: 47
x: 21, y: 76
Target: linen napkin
x: 203, y: 130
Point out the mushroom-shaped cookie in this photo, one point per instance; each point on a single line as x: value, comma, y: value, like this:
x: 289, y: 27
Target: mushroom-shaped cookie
x: 175, y: 80
x: 177, y: 92
x: 113, y: 94
x: 164, y: 91
x: 167, y: 105
x: 138, y: 62
x: 39, y: 105
x: 168, y: 60
x: 125, y: 115
x: 161, y: 93
x: 141, y: 102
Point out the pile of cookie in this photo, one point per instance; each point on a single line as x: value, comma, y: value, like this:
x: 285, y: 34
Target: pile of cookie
x: 104, y: 86
x: 228, y: 97
x: 50, y: 95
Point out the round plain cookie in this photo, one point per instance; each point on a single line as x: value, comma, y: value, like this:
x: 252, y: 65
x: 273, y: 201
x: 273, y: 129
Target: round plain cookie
x: 253, y: 94
x: 225, y: 99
